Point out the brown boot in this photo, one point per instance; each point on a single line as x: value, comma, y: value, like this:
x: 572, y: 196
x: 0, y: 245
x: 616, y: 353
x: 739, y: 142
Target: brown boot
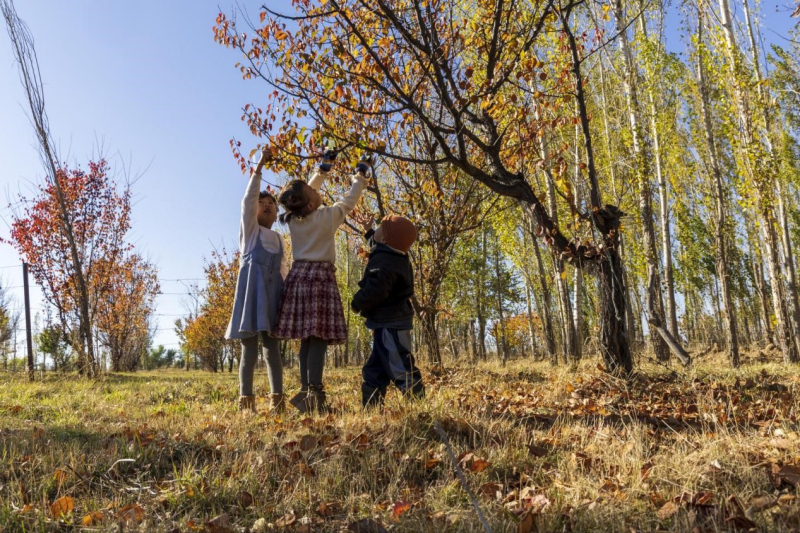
x: 299, y: 400
x: 247, y: 403
x: 277, y: 403
x: 317, y: 399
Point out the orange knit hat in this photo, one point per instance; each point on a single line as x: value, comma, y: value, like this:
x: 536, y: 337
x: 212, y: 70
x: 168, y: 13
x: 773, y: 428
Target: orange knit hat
x: 398, y: 232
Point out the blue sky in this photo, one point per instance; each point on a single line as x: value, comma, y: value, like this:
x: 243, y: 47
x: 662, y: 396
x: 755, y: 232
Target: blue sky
x: 147, y: 80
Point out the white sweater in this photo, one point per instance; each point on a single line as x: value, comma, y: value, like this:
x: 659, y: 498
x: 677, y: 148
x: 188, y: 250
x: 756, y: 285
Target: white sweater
x: 250, y: 231
x: 313, y: 236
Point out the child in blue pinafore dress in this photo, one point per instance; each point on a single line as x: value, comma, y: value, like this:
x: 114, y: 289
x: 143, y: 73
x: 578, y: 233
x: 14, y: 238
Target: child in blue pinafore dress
x: 259, y: 290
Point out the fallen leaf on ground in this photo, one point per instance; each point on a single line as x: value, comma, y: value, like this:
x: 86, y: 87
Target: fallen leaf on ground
x: 131, y: 513
x: 525, y: 524
x: 94, y: 518
x: 756, y: 504
x: 479, y: 465
x: 327, y: 509
x: 400, y: 507
x: 60, y: 475
x: 259, y: 526
x: 219, y: 524
x: 782, y: 444
x: 308, y: 442
x: 245, y: 499
x: 741, y: 522
x: 491, y: 490
x: 788, y: 473
x: 430, y: 464
x: 286, y: 520
x: 62, y: 506
x: 667, y: 510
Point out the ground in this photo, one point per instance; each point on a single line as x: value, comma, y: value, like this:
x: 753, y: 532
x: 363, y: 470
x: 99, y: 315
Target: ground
x: 542, y: 448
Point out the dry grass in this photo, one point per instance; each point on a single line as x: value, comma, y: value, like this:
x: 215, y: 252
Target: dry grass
x: 553, y: 450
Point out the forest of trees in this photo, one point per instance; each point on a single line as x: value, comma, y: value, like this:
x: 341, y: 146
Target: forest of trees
x: 575, y: 181
x: 581, y: 186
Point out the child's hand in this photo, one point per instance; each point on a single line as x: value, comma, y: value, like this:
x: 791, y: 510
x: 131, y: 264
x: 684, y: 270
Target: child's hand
x: 327, y: 160
x: 266, y: 157
x: 364, y: 164
x: 365, y: 220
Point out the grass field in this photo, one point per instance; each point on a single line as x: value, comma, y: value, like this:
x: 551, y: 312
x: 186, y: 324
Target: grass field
x: 543, y: 449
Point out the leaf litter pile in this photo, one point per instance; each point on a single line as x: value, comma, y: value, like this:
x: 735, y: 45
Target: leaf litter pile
x: 541, y: 449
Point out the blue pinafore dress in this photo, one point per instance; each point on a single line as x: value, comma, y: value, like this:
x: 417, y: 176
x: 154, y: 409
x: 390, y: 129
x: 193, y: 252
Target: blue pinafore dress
x: 259, y: 291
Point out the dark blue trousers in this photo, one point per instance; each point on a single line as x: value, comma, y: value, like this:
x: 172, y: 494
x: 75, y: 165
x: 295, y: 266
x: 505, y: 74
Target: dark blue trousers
x: 391, y: 361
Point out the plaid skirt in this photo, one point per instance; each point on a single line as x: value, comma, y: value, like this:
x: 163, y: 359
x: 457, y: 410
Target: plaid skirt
x: 312, y: 306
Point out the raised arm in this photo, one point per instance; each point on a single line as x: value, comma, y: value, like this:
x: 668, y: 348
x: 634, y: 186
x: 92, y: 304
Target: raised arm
x: 322, y: 172
x: 343, y: 207
x: 249, y: 224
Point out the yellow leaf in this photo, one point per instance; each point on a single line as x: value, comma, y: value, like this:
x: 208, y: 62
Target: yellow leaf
x: 563, y: 275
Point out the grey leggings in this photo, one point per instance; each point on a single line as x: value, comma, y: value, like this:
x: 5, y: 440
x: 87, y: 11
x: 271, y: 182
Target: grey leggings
x: 247, y: 364
x: 312, y: 361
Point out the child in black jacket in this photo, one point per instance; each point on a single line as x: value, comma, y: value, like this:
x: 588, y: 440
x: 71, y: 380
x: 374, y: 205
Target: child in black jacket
x: 384, y: 299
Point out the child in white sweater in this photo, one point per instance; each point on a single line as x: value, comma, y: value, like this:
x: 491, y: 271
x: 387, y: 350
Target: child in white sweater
x: 312, y: 307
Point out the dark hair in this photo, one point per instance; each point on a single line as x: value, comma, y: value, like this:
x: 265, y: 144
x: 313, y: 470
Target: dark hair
x: 294, y: 200
x: 267, y: 194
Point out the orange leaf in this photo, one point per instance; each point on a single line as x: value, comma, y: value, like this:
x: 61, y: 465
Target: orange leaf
x: 479, y: 465
x: 94, y: 518
x: 525, y: 524
x: 60, y: 476
x: 432, y: 463
x: 400, y: 507
x: 131, y: 513
x: 62, y: 506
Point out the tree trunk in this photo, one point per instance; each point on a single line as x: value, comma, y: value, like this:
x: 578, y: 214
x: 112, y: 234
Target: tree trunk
x: 502, y: 346
x: 663, y: 196
x: 481, y: 309
x: 730, y: 325
x: 760, y: 282
x: 642, y: 173
x: 782, y: 334
x: 793, y: 306
x: 474, y: 339
x: 577, y: 312
x: 531, y: 326
x: 789, y: 271
x: 545, y: 315
x: 562, y: 288
x: 606, y: 220
x: 613, y: 337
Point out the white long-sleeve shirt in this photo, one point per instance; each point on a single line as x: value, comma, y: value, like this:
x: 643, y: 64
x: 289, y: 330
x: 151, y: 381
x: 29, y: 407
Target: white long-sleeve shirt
x: 250, y: 231
x: 313, y: 236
